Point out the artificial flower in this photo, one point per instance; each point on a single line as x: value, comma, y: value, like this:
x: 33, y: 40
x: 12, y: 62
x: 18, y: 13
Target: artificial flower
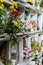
x: 15, y: 13
x: 33, y: 1
x: 15, y: 4
x: 1, y: 7
x: 11, y: 7
x: 18, y: 21
x: 1, y: 1
x: 15, y: 10
x: 15, y: 23
x: 27, y: 52
x: 1, y: 4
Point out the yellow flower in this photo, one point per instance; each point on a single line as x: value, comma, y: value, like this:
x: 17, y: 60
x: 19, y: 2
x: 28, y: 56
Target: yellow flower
x: 19, y: 21
x: 15, y: 23
x: 33, y: 1
x: 15, y: 4
x: 15, y: 10
x: 11, y: 7
x: 1, y: 1
x: 1, y: 7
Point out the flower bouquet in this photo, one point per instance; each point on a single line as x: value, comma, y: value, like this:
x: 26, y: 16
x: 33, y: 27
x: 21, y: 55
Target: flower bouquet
x: 27, y: 53
x: 13, y: 24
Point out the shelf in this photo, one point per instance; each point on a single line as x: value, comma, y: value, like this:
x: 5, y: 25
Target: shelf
x: 28, y: 33
x: 27, y: 5
x: 4, y: 37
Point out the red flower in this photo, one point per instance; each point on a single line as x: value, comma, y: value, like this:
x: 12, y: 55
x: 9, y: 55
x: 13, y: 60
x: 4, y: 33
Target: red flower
x: 15, y: 13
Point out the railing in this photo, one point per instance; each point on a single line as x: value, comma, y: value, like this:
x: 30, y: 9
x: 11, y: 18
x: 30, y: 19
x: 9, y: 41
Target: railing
x: 28, y: 42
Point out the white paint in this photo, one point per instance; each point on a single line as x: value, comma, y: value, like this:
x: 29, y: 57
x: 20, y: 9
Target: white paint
x: 32, y: 63
x: 36, y: 37
x: 22, y: 17
x: 40, y: 20
x: 28, y: 42
x: 9, y: 52
x: 23, y: 0
x: 41, y: 37
x: 13, y: 62
x: 20, y: 50
x: 34, y: 17
x: 27, y: 63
